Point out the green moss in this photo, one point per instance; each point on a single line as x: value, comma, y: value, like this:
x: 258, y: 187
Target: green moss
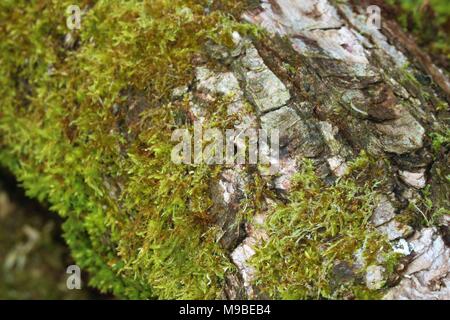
x: 320, y: 228
x: 440, y: 139
x: 424, y: 212
x: 134, y: 220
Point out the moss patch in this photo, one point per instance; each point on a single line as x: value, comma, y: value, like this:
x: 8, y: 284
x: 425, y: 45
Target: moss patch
x: 321, y: 241
x: 72, y: 131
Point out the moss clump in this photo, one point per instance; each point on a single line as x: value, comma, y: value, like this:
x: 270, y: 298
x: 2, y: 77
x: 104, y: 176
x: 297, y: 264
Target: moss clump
x: 439, y: 140
x: 321, y: 230
x: 72, y: 131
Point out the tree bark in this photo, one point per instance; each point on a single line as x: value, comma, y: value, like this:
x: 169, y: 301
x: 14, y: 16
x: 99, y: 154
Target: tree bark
x: 336, y: 85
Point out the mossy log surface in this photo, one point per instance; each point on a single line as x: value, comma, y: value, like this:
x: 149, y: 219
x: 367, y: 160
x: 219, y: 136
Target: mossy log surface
x: 359, y: 209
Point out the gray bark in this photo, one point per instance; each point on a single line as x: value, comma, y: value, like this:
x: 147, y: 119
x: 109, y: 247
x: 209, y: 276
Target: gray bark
x: 353, y: 88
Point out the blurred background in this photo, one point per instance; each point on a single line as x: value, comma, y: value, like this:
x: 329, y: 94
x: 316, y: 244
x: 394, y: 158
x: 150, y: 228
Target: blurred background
x: 33, y: 255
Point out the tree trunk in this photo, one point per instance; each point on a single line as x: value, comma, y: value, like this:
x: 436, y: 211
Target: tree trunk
x: 358, y: 207
x: 351, y: 87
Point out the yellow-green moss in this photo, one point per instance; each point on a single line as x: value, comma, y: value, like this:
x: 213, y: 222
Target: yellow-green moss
x: 319, y: 228
x: 60, y: 135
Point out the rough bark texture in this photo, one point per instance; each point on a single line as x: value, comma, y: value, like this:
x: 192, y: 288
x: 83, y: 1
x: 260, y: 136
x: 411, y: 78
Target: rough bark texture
x: 350, y: 91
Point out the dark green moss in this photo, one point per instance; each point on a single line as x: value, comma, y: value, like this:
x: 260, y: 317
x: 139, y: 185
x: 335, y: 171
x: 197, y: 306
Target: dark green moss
x: 428, y: 21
